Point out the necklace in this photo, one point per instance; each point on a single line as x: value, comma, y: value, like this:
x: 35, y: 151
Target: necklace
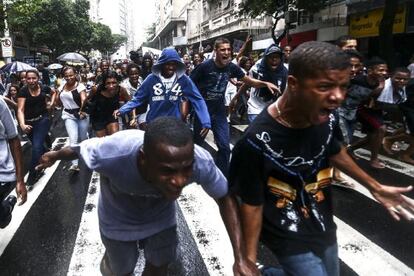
x: 279, y: 115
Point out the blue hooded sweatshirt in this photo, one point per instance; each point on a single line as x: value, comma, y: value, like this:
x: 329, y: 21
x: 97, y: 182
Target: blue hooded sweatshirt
x: 166, y: 102
x: 278, y: 77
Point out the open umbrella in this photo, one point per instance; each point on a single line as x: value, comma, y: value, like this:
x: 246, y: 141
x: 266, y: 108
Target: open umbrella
x: 73, y: 57
x: 16, y: 66
x: 54, y: 66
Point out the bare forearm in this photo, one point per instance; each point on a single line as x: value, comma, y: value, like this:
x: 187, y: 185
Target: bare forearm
x: 66, y: 153
x: 229, y: 211
x: 252, y: 225
x: 20, y: 117
x: 16, y: 151
x: 255, y: 83
x: 346, y: 164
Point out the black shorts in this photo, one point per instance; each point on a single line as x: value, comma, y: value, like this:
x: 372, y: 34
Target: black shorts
x: 371, y: 119
x: 101, y: 123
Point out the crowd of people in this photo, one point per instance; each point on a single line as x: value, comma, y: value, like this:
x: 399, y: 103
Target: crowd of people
x: 149, y: 119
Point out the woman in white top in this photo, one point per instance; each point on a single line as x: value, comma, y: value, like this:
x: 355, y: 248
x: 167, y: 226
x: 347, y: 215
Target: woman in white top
x: 73, y: 96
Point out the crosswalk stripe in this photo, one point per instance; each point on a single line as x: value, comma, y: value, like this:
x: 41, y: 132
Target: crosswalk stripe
x: 390, y: 163
x: 20, y: 212
x: 88, y: 250
x: 207, y: 228
x: 364, y: 256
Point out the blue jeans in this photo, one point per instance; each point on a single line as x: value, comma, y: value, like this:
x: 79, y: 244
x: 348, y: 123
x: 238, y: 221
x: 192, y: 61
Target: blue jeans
x: 37, y: 137
x: 221, y: 132
x: 77, y: 130
x: 308, y: 264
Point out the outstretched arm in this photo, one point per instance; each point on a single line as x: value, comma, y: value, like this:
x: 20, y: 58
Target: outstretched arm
x: 230, y: 214
x: 392, y: 198
x: 243, y: 48
x: 49, y: 158
x: 259, y: 84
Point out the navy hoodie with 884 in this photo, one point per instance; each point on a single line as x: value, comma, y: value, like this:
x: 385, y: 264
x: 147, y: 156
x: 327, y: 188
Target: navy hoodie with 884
x: 166, y: 102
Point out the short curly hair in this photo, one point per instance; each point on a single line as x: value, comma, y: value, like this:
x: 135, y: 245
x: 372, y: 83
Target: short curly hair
x: 311, y: 58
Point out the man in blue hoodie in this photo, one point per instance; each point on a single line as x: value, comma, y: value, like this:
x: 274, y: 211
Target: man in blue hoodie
x: 165, y: 89
x: 270, y: 68
x: 212, y: 77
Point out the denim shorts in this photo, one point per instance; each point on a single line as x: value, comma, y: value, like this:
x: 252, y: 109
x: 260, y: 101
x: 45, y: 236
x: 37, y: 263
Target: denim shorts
x: 159, y: 249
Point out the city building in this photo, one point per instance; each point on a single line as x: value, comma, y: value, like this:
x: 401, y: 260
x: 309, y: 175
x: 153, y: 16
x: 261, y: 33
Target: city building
x: 118, y: 15
x: 325, y: 25
x: 194, y: 23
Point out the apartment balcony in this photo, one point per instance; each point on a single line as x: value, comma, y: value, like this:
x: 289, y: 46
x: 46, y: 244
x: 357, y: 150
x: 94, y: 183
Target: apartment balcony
x: 213, y: 29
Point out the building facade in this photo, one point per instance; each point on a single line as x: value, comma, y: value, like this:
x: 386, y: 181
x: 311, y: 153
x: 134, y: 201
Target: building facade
x: 194, y: 23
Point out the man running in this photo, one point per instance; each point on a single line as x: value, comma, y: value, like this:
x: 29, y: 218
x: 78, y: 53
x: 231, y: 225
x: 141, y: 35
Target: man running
x: 211, y: 77
x: 142, y: 175
x: 282, y: 167
x: 164, y: 91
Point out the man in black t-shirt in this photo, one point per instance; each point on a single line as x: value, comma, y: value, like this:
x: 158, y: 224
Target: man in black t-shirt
x: 211, y: 78
x: 282, y: 167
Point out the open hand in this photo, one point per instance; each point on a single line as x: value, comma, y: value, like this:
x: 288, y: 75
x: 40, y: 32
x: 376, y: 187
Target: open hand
x: 21, y: 192
x: 398, y: 205
x: 116, y: 114
x: 245, y: 268
x: 47, y: 160
x: 274, y: 89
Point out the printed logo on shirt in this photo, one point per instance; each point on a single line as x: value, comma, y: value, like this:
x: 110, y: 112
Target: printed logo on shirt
x: 159, y: 92
x: 286, y: 194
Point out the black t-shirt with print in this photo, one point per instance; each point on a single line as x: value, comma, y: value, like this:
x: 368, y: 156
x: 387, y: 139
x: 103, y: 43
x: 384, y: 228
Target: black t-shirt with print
x: 287, y: 171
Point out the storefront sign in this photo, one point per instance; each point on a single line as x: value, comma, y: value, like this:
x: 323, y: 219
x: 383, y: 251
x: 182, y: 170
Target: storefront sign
x: 367, y: 24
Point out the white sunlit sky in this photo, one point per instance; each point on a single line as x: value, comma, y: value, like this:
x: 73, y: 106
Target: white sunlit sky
x: 144, y: 14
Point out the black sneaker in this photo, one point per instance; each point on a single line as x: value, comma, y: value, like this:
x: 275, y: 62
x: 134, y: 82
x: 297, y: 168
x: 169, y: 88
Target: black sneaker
x: 33, y: 178
x: 104, y: 266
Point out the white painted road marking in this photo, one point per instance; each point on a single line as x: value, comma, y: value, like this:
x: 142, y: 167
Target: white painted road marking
x: 203, y: 218
x: 20, y: 212
x: 89, y: 249
x: 357, y: 251
x: 390, y: 163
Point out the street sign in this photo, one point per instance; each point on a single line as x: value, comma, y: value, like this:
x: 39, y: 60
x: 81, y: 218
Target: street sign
x: 7, y: 47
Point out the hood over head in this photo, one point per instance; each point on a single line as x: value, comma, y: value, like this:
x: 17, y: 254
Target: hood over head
x: 169, y: 54
x: 270, y: 50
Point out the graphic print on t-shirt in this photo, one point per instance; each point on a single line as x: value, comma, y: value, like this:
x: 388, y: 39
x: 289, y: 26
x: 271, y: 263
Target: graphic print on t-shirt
x: 217, y: 81
x: 285, y: 195
x: 302, y: 168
